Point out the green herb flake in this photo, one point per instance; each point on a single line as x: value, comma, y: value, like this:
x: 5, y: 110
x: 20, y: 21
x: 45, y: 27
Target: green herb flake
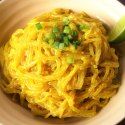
x: 51, y: 41
x: 38, y: 26
x: 76, y: 43
x: 61, y: 45
x: 56, y: 45
x: 61, y: 35
x: 73, y: 26
x: 55, y: 30
x: 66, y: 40
x: 52, y: 36
x: 84, y: 27
x: 74, y: 33
x: 70, y: 37
x: 66, y: 20
x: 75, y: 46
x: 67, y: 30
x: 70, y: 60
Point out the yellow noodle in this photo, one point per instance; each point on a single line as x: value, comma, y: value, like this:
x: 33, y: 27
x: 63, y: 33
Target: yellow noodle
x: 41, y: 75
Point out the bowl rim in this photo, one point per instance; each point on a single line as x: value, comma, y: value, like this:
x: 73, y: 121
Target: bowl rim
x: 121, y: 10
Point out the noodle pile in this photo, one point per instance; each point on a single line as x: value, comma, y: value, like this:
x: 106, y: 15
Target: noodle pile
x: 74, y: 81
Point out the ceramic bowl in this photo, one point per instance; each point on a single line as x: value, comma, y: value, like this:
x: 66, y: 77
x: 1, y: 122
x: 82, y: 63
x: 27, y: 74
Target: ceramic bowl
x: 16, y: 13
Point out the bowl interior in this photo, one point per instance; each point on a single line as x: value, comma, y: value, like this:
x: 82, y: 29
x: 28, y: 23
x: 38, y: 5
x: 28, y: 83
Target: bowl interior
x: 16, y: 13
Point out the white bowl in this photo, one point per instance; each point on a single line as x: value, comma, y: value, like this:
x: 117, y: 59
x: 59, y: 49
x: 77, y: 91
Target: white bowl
x: 16, y: 13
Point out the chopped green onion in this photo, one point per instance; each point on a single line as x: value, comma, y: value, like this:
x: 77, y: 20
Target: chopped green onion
x: 61, y: 46
x: 74, y: 33
x: 66, y: 40
x: 84, y: 26
x: 57, y: 35
x: 66, y: 20
x: 52, y: 36
x: 61, y: 35
x: 70, y: 37
x: 67, y: 30
x: 38, y: 26
x: 70, y: 60
x: 73, y: 26
x: 51, y: 41
x: 76, y: 43
x: 55, y: 30
x: 75, y: 46
x: 56, y: 45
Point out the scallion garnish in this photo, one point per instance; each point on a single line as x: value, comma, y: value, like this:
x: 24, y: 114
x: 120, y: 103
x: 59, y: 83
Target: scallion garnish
x: 70, y: 37
x: 38, y: 26
x: 61, y: 45
x: 55, y: 29
x: 56, y: 45
x: 66, y: 21
x: 74, y: 33
x: 73, y: 26
x: 66, y: 40
x: 76, y: 43
x: 75, y: 46
x: 52, y: 36
x: 84, y: 27
x: 63, y: 37
x: 67, y: 30
x: 51, y: 41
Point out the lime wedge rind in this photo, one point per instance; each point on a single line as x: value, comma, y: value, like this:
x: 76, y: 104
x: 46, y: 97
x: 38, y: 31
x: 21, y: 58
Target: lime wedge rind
x: 117, y: 34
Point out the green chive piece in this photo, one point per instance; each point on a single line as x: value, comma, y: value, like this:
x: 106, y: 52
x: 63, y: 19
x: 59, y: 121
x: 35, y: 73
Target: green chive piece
x: 38, y: 26
x: 56, y: 45
x: 51, y: 41
x: 70, y: 37
x: 55, y: 30
x: 61, y: 36
x: 70, y: 60
x: 58, y: 36
x: 67, y: 30
x: 84, y: 27
x: 75, y: 46
x: 61, y: 46
x: 52, y: 36
x: 76, y: 43
x: 66, y: 20
x: 73, y: 26
x: 66, y: 40
x: 74, y: 33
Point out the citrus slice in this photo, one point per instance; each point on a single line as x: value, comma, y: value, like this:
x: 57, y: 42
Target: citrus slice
x: 117, y: 34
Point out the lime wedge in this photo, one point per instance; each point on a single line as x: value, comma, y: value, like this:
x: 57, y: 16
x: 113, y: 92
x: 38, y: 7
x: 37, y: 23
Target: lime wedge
x: 117, y: 34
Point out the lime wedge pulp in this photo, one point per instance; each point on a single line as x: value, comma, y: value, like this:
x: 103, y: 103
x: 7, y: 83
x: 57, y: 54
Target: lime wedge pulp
x: 117, y: 34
